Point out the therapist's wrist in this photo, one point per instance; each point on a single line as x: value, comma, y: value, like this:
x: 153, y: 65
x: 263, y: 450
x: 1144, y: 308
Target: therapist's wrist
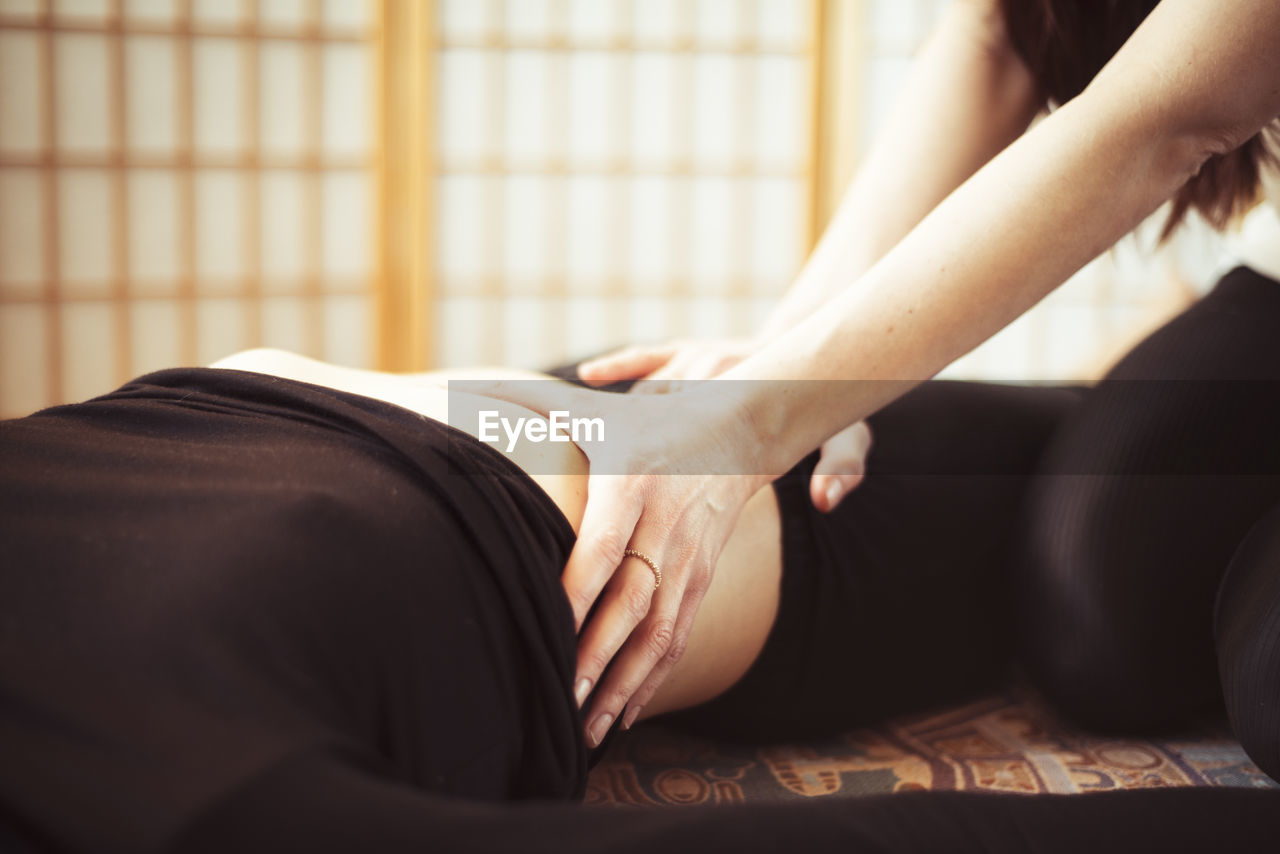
x: 766, y: 428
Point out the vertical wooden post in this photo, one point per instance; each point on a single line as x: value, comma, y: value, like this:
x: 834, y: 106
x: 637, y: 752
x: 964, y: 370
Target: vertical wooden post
x: 840, y: 56
x: 406, y: 159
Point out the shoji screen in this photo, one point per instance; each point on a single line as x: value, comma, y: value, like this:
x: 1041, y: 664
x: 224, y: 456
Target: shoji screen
x: 180, y: 179
x: 616, y: 170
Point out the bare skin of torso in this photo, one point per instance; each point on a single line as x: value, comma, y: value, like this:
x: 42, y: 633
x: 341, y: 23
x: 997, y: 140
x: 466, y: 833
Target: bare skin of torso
x: 739, y: 609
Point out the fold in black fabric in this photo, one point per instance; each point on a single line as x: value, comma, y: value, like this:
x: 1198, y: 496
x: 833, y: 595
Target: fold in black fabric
x: 207, y: 572
x: 244, y: 614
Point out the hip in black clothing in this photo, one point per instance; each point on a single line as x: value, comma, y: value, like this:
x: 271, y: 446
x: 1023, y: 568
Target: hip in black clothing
x: 248, y: 614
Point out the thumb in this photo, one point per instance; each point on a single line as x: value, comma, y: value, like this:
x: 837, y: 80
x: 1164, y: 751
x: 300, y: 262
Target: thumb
x: 628, y: 363
x: 828, y: 490
x: 841, y: 467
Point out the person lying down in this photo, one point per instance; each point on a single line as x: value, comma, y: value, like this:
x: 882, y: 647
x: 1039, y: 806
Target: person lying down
x: 279, y: 605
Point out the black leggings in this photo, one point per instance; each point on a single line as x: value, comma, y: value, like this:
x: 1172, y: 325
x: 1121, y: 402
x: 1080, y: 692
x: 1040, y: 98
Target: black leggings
x: 1109, y: 518
x: 1084, y: 535
x: 1157, y: 527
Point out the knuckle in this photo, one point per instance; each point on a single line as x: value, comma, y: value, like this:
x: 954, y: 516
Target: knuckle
x: 675, y: 651
x: 581, y: 601
x: 697, y: 586
x: 609, y: 543
x: 596, y: 662
x: 635, y: 600
x: 617, y: 697
x: 660, y: 636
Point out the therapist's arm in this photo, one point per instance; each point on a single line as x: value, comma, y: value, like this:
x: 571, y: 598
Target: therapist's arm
x: 967, y: 96
x: 1199, y: 77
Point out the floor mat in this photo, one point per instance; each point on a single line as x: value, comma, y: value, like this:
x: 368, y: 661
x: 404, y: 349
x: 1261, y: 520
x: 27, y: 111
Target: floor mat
x: 1005, y: 743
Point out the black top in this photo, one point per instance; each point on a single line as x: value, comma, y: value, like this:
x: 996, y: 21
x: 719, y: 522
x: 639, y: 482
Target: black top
x: 244, y: 614
x: 208, y: 572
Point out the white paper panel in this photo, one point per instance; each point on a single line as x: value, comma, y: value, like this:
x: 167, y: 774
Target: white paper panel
x: 469, y: 331
x: 529, y: 19
x: 592, y: 201
x: 594, y: 79
x: 220, y: 247
x: 347, y: 325
x: 282, y: 223
x: 286, y: 14
x: 657, y: 20
x: 527, y: 262
x: 22, y: 218
x: 151, y: 103
x: 653, y: 123
x: 281, y: 105
x: 20, y: 8
x: 224, y: 13
x: 23, y: 368
x: 713, y: 112
x: 284, y: 323
x: 155, y: 230
x: 219, y: 89
x: 594, y: 21
x: 464, y: 19
x: 20, y: 92
x: 589, y: 327
x: 784, y: 24
x: 526, y: 343
x: 346, y: 223
x: 462, y: 225
x: 156, y: 341
x: 83, y: 92
x: 777, y: 236
x: 712, y: 238
x: 86, y: 254
x: 220, y: 329
x: 719, y: 22
x: 150, y: 11
x: 780, y: 110
x: 527, y: 133
x: 347, y: 121
x: 647, y: 320
x: 88, y: 341
x: 462, y: 120
x: 347, y: 15
x: 81, y: 10
x: 650, y: 242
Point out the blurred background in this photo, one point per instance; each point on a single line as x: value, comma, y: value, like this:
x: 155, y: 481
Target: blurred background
x: 411, y: 184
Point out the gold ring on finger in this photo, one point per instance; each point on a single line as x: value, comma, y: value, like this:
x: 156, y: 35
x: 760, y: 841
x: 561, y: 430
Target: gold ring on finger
x: 657, y: 573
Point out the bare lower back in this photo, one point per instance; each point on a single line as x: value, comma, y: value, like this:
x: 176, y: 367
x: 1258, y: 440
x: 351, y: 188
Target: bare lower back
x: 738, y: 611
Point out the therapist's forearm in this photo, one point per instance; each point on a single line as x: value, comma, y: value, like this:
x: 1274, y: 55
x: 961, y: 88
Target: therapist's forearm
x: 1029, y: 219
x: 968, y: 95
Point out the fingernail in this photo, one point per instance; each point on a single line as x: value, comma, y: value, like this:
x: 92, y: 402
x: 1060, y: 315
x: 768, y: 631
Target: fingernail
x: 581, y: 690
x: 599, y: 728
x: 833, y: 493
x: 629, y: 718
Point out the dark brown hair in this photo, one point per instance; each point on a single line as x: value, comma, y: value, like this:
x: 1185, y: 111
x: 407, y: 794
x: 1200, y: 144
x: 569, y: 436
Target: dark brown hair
x: 1066, y: 42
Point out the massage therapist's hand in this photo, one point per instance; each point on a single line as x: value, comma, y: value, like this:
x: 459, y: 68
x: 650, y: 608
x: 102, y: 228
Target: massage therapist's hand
x: 661, y: 365
x: 844, y: 456
x: 658, y: 485
x: 841, y: 467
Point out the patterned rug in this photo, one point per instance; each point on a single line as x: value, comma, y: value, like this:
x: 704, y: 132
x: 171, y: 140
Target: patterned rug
x: 1007, y: 743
